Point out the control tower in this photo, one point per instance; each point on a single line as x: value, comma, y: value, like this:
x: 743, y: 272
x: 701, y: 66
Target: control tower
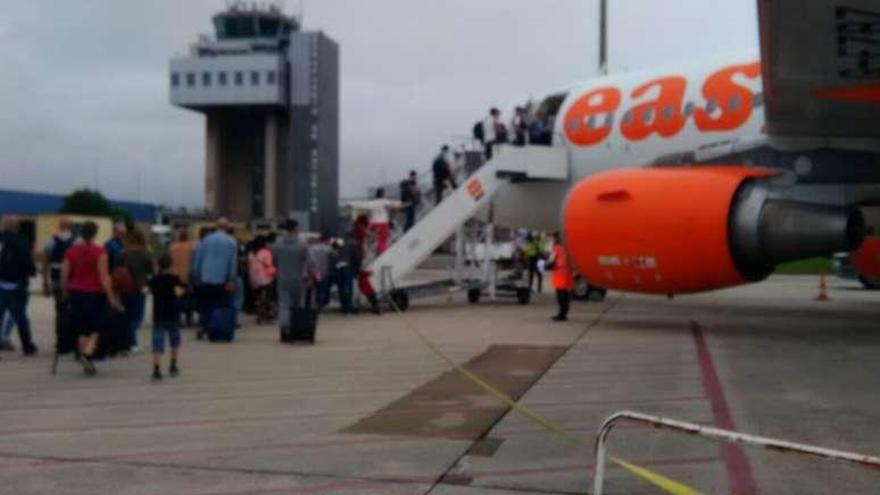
x: 270, y: 95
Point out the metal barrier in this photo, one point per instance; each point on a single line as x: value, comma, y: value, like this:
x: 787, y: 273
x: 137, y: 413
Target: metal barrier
x: 720, y: 436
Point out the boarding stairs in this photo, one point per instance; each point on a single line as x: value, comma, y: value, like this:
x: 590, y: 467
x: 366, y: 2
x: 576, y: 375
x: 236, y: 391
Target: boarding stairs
x: 474, y: 194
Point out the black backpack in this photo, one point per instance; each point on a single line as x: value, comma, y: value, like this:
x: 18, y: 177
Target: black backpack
x: 479, y: 135
x: 406, y: 191
x: 440, y: 169
x: 501, y: 134
x: 56, y: 256
x: 16, y: 264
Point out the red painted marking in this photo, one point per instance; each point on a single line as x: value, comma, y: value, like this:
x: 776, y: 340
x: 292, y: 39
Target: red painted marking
x: 24, y: 464
x: 742, y: 481
x: 867, y: 93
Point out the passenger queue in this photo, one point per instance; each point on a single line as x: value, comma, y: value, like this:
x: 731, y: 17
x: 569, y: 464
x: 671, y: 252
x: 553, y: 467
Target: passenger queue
x: 100, y: 291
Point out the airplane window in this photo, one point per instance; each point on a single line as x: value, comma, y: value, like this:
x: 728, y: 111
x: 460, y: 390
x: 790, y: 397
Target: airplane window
x: 649, y: 116
x: 711, y: 106
x: 573, y: 125
x: 609, y: 120
x: 591, y: 123
x: 734, y: 103
x: 668, y: 111
x: 758, y: 100
x: 689, y: 109
x: 628, y: 117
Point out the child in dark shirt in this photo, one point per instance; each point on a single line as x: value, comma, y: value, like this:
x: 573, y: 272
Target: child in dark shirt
x: 167, y: 289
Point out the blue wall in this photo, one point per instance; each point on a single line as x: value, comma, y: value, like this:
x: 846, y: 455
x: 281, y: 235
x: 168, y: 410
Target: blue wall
x: 32, y: 204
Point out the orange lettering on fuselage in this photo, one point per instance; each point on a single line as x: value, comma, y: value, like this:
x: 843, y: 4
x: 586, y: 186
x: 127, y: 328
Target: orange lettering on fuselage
x: 581, y: 119
x: 728, y: 105
x: 734, y: 101
x: 663, y: 115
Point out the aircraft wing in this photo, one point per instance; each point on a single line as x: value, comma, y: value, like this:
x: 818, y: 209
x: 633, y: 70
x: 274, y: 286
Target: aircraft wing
x: 821, y: 67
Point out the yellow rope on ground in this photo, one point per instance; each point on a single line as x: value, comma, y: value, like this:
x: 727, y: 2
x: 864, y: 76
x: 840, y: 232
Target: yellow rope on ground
x: 658, y: 480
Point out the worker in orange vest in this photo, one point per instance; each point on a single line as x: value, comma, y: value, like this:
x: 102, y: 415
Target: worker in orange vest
x: 561, y: 277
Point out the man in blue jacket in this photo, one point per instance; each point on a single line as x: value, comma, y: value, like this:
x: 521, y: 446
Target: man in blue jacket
x: 16, y: 269
x: 214, y: 270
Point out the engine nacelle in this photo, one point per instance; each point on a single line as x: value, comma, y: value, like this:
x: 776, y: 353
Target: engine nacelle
x: 684, y: 230
x: 866, y: 259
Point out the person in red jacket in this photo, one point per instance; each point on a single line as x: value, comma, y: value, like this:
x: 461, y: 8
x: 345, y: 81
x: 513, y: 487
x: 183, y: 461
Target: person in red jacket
x: 561, y: 278
x: 360, y: 232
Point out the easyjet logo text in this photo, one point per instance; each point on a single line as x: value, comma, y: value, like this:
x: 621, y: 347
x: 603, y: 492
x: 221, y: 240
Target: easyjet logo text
x: 659, y: 107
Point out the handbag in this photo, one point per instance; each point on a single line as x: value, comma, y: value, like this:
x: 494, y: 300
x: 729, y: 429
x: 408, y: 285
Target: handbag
x: 122, y: 280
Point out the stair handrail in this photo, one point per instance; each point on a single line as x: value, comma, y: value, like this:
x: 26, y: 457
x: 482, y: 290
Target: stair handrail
x: 719, y: 435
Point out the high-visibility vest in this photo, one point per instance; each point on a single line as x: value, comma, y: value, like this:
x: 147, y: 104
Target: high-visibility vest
x: 561, y: 278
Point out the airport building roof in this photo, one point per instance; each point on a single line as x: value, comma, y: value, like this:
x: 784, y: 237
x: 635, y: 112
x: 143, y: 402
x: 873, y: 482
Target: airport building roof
x: 33, y: 203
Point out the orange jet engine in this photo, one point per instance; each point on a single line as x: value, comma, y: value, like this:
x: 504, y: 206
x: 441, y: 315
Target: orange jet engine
x: 866, y: 261
x: 691, y: 229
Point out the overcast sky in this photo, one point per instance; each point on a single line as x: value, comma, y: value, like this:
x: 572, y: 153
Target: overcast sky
x: 84, y: 86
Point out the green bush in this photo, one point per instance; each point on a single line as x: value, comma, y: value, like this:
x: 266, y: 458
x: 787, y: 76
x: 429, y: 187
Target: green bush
x: 93, y: 203
x: 810, y: 266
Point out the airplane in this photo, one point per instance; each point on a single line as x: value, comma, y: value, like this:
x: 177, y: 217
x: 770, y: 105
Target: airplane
x: 707, y: 175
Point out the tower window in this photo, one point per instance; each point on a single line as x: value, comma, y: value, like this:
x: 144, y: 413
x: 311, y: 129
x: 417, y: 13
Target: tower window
x: 190, y: 79
x: 270, y: 77
x: 206, y: 78
x: 255, y: 78
x: 175, y: 79
x: 221, y: 79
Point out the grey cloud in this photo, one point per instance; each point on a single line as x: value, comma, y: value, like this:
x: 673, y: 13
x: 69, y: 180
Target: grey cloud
x: 84, y: 92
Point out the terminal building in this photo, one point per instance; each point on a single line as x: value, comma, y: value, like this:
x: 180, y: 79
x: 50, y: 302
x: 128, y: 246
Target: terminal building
x: 270, y: 95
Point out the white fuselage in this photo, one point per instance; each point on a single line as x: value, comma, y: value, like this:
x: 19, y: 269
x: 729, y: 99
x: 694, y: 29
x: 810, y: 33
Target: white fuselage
x: 636, y: 119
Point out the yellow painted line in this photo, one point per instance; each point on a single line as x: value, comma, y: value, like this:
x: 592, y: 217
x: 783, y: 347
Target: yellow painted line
x: 658, y: 480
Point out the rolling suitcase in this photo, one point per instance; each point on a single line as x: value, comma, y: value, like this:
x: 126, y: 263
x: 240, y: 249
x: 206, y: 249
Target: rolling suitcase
x: 114, y: 336
x: 303, y: 321
x: 221, y: 325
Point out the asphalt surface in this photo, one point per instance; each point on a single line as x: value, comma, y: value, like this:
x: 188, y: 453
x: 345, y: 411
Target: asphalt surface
x: 370, y: 410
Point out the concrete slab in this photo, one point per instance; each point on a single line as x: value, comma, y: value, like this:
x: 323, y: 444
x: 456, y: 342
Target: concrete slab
x: 256, y: 417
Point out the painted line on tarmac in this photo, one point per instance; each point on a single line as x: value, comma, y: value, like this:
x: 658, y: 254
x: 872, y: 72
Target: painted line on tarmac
x: 257, y: 420
x: 298, y: 396
x: 209, y: 423
x: 742, y: 480
x: 679, y: 461
x: 201, y: 382
x: 352, y: 482
x: 36, y: 462
x: 334, y: 394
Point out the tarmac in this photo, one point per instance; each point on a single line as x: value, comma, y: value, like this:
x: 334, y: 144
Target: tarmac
x: 371, y: 410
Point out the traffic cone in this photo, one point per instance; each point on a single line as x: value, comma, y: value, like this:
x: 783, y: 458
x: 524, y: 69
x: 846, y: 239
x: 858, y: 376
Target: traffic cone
x: 823, y: 289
